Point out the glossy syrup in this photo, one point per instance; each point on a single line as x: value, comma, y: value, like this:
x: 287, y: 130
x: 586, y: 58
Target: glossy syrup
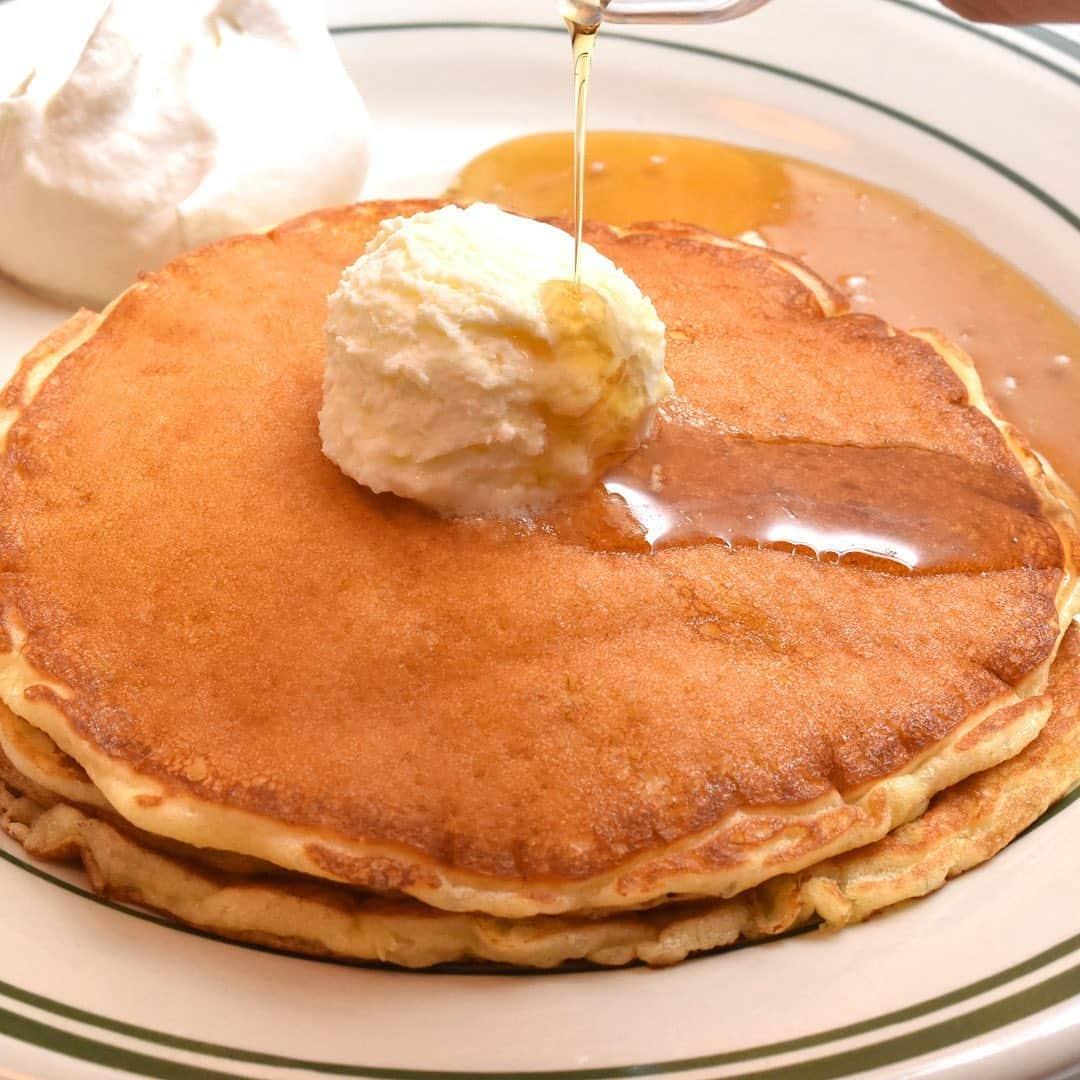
x: 898, y: 509
x: 582, y: 43
x: 590, y: 370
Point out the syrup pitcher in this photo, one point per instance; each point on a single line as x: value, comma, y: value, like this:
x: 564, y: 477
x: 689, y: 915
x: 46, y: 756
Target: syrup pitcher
x: 591, y: 12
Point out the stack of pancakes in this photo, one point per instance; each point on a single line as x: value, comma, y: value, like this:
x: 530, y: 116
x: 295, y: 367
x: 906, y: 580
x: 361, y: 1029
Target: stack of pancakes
x: 248, y: 692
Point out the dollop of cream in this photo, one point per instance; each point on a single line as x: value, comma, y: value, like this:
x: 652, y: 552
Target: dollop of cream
x: 178, y: 124
x: 464, y: 371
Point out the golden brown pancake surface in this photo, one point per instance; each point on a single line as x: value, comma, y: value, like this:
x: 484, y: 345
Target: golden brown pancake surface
x: 221, y: 610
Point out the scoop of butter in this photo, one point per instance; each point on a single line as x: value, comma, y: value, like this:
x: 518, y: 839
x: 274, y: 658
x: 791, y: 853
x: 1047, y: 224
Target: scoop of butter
x: 465, y: 371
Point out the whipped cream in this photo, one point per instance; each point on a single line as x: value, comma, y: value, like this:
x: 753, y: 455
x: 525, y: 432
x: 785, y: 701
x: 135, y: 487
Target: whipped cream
x: 177, y: 125
x: 464, y: 372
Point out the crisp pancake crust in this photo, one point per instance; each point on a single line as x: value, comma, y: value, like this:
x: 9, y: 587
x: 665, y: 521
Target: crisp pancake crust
x: 205, y: 604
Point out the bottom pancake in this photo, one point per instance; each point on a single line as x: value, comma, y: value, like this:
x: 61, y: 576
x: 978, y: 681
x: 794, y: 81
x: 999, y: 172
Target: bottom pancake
x: 962, y: 827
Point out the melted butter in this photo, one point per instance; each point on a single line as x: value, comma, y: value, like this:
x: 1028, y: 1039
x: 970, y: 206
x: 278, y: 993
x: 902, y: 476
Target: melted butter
x: 889, y: 255
x: 594, y: 400
x: 581, y: 328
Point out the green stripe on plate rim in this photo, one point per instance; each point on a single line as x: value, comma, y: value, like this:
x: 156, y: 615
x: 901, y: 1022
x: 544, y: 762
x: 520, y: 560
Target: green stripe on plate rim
x: 1053, y: 39
x: 984, y: 1019
x: 1024, y: 1003
x: 1047, y: 37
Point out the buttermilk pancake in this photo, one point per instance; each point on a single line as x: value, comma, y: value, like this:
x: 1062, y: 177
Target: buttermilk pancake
x: 216, y: 646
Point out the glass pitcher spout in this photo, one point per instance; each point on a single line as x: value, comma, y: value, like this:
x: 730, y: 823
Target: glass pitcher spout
x: 592, y: 12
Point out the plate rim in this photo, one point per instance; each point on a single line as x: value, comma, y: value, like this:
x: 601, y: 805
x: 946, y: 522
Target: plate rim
x: 1057, y: 42
x: 1032, y: 999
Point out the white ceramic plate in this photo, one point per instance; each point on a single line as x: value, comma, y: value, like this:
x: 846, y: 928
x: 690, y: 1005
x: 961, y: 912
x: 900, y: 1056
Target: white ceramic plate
x: 981, y: 980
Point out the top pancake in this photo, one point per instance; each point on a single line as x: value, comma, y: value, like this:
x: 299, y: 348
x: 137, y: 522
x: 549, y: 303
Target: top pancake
x: 246, y: 650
